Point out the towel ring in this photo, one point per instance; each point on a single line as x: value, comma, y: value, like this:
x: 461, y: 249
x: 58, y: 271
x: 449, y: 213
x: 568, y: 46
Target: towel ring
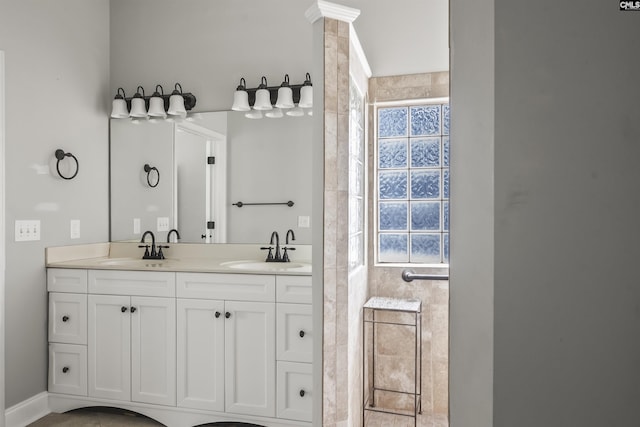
x: 60, y: 154
x: 148, y: 170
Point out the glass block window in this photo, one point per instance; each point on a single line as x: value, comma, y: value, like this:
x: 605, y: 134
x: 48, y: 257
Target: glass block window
x: 356, y: 176
x: 412, y: 191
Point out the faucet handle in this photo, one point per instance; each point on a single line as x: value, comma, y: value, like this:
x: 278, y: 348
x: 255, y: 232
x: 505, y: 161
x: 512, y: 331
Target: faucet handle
x: 285, y: 255
x: 146, y: 251
x: 270, y: 254
x: 160, y: 254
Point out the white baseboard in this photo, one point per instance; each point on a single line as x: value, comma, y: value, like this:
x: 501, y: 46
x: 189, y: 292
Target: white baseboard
x: 28, y: 411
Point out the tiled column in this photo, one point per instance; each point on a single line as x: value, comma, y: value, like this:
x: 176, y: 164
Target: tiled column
x: 336, y: 182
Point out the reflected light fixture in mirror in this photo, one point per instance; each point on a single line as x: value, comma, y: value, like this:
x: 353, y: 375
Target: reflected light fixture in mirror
x: 119, y: 106
x: 276, y: 113
x: 138, y: 105
x: 254, y: 114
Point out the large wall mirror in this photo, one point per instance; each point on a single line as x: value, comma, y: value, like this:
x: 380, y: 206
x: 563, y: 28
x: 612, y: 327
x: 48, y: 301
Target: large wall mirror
x: 190, y: 175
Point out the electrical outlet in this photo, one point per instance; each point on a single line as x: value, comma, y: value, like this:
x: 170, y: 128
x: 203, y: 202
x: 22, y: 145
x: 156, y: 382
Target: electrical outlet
x: 136, y: 225
x: 27, y: 230
x: 74, y: 228
x: 304, y: 222
x: 163, y: 223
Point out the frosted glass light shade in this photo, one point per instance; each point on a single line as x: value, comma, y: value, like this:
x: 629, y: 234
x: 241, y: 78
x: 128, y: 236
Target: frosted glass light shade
x: 138, y: 108
x: 119, y: 109
x: 240, y: 101
x: 253, y: 114
x: 306, y: 97
x: 276, y: 113
x: 156, y: 107
x: 176, y: 105
x: 295, y: 112
x: 263, y: 100
x: 285, y: 97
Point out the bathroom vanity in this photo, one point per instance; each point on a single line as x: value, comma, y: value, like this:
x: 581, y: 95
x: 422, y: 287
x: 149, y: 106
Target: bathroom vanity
x: 186, y: 340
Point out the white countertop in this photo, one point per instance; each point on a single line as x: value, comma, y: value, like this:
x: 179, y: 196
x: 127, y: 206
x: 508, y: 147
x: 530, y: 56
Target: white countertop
x: 179, y: 257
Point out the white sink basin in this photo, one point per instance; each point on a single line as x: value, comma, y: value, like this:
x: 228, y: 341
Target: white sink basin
x: 267, y: 266
x: 132, y: 262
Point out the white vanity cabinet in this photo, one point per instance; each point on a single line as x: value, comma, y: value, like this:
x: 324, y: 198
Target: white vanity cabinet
x: 294, y: 348
x: 226, y: 336
x: 132, y: 337
x: 183, y: 347
x: 67, y: 331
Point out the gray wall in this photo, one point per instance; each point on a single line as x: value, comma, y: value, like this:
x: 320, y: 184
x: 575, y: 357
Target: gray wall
x: 208, y: 46
x: 268, y: 160
x: 566, y: 127
x: 472, y: 229
x: 57, y: 87
x: 133, y: 146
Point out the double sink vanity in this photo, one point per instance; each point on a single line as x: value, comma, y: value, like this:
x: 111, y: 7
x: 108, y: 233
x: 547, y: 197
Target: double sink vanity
x: 211, y: 333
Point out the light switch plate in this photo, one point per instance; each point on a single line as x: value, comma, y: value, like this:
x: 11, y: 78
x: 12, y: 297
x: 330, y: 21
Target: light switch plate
x: 74, y: 228
x: 27, y: 230
x: 163, y: 223
x: 136, y: 225
x: 304, y: 222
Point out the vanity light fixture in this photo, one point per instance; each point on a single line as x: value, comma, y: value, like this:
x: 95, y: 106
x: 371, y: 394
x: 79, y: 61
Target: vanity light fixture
x: 285, y: 94
x: 119, y: 108
x: 138, y: 105
x: 176, y: 104
x: 241, y: 97
x: 306, y: 93
x: 156, y: 104
x: 264, y: 98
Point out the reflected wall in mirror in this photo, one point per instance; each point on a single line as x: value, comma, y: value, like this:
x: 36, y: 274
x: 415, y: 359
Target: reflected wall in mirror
x: 256, y: 161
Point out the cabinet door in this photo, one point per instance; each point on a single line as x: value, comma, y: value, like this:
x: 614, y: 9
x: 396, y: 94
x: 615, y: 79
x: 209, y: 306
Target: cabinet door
x: 250, y: 358
x: 295, y: 391
x: 68, y: 318
x: 153, y: 350
x: 68, y: 369
x: 294, y: 330
x: 201, y: 354
x: 109, y: 350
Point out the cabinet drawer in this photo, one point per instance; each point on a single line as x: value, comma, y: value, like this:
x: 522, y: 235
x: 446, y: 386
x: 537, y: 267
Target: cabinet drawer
x: 294, y: 332
x: 68, y: 318
x: 237, y: 287
x: 67, y: 280
x: 296, y: 289
x: 135, y: 283
x: 295, y: 391
x: 68, y: 369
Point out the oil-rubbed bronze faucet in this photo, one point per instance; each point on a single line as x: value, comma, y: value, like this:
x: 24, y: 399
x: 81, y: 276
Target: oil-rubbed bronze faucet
x: 156, y: 252
x: 278, y: 257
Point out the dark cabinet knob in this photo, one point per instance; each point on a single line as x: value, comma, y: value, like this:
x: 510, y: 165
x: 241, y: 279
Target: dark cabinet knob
x: 227, y: 315
x: 217, y: 314
x: 123, y: 309
x: 65, y: 369
x: 65, y: 318
x: 301, y: 334
x: 302, y: 393
x: 133, y: 309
